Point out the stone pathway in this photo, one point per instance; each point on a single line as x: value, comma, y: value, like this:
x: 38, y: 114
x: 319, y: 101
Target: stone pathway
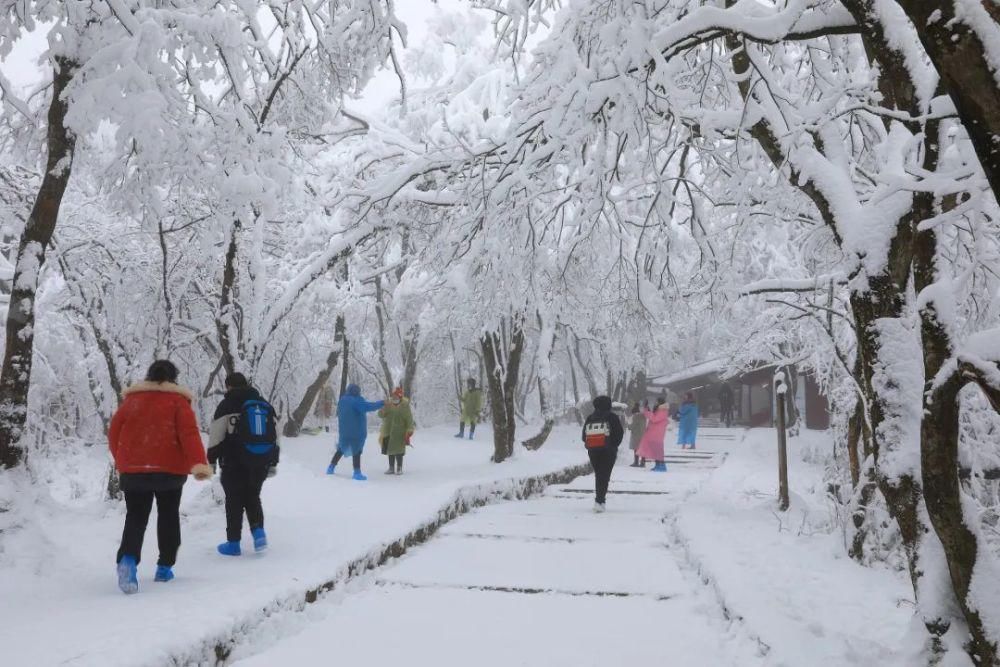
x: 538, y: 582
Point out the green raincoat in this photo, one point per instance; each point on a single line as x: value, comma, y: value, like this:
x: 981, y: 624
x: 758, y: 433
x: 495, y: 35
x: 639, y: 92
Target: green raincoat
x: 397, y: 423
x: 472, y: 405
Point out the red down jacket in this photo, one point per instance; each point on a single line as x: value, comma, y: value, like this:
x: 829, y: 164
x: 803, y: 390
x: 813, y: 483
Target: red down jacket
x: 155, y: 430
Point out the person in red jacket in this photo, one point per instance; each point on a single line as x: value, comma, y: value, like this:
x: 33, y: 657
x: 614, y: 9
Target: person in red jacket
x: 155, y: 443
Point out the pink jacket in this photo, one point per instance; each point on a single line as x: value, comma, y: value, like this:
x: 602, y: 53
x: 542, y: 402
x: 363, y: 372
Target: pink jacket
x: 651, y: 446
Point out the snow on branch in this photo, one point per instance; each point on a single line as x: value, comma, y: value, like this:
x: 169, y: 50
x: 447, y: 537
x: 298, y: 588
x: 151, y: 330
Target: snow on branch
x: 799, y: 19
x: 773, y: 285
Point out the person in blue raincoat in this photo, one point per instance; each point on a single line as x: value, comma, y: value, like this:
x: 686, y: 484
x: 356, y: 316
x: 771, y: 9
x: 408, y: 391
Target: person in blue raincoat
x: 687, y: 418
x: 352, y: 422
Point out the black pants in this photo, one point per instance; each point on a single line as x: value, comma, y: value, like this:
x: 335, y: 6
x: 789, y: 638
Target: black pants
x: 726, y: 414
x: 602, y: 461
x: 242, y: 487
x: 472, y: 428
x: 396, y: 462
x: 140, y: 490
x: 356, y: 459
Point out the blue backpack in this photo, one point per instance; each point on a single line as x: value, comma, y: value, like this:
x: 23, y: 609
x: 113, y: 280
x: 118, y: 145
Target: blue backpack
x: 256, y: 433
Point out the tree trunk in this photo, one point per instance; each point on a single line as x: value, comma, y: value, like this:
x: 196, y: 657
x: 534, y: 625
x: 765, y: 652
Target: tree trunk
x: 410, y: 358
x: 380, y: 317
x: 340, y: 332
x: 225, y: 320
x: 294, y: 423
x: 958, y: 51
x: 536, y: 441
x: 502, y: 369
x: 854, y: 426
x: 588, y: 375
x: 15, y: 376
x: 939, y: 435
x: 572, y: 374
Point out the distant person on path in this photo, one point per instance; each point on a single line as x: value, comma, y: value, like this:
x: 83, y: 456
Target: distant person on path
x: 687, y: 417
x: 651, y: 446
x: 726, y: 405
x: 155, y: 443
x: 472, y: 406
x: 636, y: 427
x: 602, y: 434
x: 244, y: 440
x: 324, y: 406
x: 352, y: 426
x: 396, y: 431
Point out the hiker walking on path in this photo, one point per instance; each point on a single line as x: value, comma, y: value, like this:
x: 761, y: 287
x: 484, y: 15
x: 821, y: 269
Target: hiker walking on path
x: 397, y: 428
x: 602, y: 434
x: 155, y: 443
x: 472, y: 406
x: 636, y: 427
x: 687, y: 417
x: 244, y: 440
x: 651, y: 446
x: 726, y: 405
x: 352, y: 427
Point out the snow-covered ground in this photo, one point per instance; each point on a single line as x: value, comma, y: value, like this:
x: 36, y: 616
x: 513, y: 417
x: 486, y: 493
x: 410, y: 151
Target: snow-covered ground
x: 61, y: 605
x: 692, y: 567
x: 787, y: 575
x: 542, y: 581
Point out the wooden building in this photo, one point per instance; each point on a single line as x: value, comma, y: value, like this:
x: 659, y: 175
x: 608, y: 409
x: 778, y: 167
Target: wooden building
x: 753, y: 395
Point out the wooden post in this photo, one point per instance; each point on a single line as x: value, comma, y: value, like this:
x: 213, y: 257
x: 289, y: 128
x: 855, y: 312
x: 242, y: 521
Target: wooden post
x: 780, y: 389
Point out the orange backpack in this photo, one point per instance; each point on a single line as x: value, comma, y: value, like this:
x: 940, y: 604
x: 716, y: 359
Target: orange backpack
x: 596, y: 434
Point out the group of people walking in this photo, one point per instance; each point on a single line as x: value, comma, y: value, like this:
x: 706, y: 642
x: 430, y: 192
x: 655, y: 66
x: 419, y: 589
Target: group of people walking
x: 603, y: 433
x: 155, y: 442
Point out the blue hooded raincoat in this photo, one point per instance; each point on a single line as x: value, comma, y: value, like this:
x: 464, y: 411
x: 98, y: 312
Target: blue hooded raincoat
x: 687, y: 423
x: 352, y: 420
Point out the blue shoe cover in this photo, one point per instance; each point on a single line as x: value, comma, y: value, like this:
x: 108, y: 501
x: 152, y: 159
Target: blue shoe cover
x: 358, y: 475
x: 230, y: 549
x: 163, y: 573
x: 330, y: 469
x: 259, y: 539
x: 128, y: 580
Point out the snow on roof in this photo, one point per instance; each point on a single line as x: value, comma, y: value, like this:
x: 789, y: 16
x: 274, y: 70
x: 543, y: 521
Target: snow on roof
x: 691, y: 372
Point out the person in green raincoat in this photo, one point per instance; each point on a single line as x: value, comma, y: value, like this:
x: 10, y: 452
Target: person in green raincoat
x: 472, y: 405
x: 397, y: 428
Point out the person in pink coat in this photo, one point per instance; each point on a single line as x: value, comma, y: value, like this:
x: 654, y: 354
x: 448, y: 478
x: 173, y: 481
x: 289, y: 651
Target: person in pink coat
x: 651, y: 446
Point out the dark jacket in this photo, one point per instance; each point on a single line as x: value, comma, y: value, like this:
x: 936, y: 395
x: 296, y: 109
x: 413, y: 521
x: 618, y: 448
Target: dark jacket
x: 222, y: 445
x: 602, y: 413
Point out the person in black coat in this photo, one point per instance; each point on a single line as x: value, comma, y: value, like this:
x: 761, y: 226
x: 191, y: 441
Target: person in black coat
x: 242, y: 479
x: 602, y: 434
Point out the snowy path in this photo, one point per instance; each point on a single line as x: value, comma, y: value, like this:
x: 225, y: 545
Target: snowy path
x: 543, y: 581
x: 60, y: 573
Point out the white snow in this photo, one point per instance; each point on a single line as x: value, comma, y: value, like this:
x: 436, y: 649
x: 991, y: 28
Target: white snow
x: 787, y: 575
x: 58, y: 572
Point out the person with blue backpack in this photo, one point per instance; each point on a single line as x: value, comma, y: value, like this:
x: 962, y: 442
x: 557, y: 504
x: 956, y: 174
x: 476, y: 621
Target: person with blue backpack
x: 352, y: 424
x: 244, y: 440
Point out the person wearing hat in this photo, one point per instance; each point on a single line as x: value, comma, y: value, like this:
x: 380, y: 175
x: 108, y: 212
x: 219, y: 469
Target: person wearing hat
x: 155, y: 443
x: 397, y: 429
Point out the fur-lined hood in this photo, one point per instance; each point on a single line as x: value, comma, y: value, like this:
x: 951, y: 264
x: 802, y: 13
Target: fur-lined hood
x: 165, y: 387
